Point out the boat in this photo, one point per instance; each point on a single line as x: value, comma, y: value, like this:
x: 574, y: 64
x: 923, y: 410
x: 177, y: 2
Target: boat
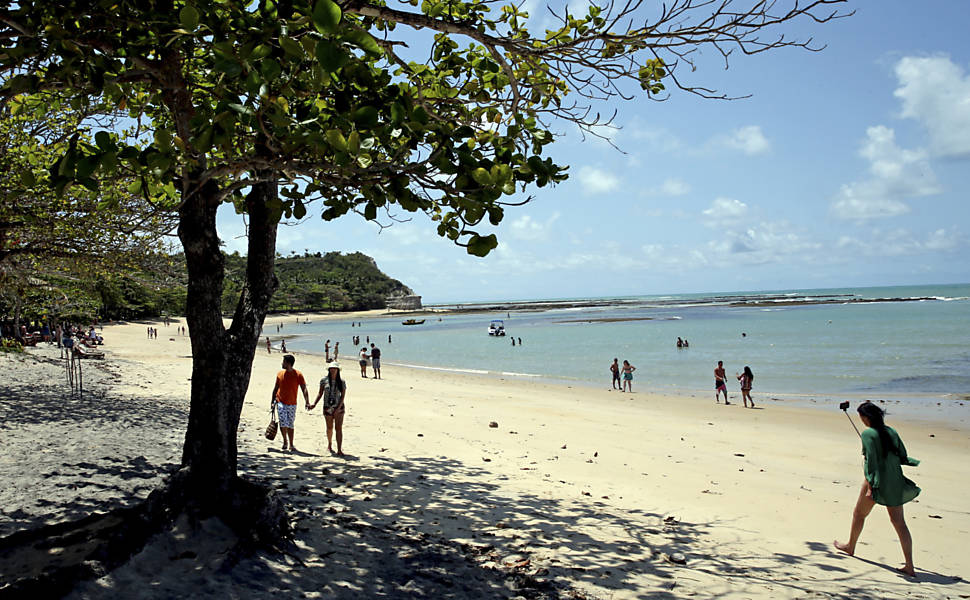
x: 412, y: 322
x: 496, y: 327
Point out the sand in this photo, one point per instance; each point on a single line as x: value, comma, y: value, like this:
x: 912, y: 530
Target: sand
x: 578, y: 493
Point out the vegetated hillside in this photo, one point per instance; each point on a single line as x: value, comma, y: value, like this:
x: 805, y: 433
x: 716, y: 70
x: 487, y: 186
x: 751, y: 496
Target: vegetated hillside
x: 316, y: 282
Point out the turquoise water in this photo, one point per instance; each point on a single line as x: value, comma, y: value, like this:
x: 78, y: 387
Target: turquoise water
x: 916, y: 351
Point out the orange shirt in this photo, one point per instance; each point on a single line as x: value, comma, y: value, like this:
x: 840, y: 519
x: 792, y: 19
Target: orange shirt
x: 288, y: 383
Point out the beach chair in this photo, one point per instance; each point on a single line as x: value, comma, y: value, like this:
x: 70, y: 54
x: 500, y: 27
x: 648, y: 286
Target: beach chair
x: 81, y: 351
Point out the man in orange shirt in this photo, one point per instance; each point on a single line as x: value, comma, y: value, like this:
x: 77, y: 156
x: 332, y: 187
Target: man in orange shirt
x: 284, y: 395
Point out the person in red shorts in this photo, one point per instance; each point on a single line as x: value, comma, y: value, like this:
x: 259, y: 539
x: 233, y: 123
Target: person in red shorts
x: 284, y: 396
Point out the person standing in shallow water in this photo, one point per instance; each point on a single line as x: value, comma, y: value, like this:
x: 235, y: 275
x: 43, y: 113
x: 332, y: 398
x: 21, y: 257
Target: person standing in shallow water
x: 884, y: 483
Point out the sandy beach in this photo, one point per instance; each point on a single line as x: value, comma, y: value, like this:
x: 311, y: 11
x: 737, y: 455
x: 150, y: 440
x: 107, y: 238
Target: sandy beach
x: 577, y: 493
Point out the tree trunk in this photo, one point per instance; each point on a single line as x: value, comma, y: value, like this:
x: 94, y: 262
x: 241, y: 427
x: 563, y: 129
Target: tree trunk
x: 222, y: 361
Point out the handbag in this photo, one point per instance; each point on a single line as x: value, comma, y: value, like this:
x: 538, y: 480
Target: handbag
x: 273, y: 426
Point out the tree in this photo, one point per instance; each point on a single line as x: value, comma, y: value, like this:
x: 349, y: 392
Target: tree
x: 72, y: 236
x: 273, y: 105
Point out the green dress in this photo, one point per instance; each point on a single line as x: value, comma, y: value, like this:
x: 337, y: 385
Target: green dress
x: 884, y: 473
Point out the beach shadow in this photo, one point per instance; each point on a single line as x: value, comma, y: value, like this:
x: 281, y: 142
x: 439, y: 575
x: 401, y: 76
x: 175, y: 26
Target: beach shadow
x: 299, y: 452
x: 76, y: 450
x: 422, y: 516
x: 419, y: 526
x: 922, y: 576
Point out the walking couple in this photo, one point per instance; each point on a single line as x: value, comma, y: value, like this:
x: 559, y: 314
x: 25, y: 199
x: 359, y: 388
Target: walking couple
x: 333, y: 391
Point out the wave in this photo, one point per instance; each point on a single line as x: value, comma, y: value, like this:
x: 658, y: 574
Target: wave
x: 427, y: 368
x: 460, y: 370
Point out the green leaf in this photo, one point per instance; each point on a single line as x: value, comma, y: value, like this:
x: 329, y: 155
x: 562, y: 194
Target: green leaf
x: 330, y: 56
x: 365, y: 117
x: 353, y: 141
x: 370, y: 211
x: 229, y: 67
x: 495, y: 214
x: 481, y: 245
x: 299, y: 210
x: 103, y: 140
x: 364, y: 41
x: 398, y: 112
x: 292, y: 47
x: 482, y: 176
x: 337, y: 140
x: 109, y: 162
x: 189, y: 17
x: 326, y: 16
x: 241, y: 109
x: 364, y: 160
x: 27, y: 178
x: 261, y: 51
x: 270, y: 69
x: 87, y: 165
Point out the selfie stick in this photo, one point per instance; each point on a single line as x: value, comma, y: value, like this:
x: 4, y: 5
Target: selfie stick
x: 845, y: 406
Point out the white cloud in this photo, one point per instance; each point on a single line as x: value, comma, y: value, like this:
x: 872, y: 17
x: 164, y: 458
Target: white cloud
x: 901, y: 242
x: 942, y: 240
x: 936, y: 92
x: 654, y: 139
x: 674, y: 187
x: 765, y: 242
x: 725, y: 209
x: 671, y: 258
x: 527, y: 228
x: 749, y: 140
x: 895, y: 174
x: 597, y: 181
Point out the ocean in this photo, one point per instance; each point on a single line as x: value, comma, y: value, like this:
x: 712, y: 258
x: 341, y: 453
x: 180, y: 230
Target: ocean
x: 905, y: 346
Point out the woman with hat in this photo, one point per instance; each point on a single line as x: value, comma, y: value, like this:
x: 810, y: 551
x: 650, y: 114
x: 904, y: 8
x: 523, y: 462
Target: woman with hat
x: 333, y: 390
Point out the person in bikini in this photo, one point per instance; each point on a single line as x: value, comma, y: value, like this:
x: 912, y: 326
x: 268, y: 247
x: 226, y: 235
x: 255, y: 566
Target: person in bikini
x: 628, y: 370
x: 333, y: 390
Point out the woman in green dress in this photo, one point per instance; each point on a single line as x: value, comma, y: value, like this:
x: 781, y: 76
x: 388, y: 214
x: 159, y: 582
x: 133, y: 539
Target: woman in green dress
x: 885, y: 484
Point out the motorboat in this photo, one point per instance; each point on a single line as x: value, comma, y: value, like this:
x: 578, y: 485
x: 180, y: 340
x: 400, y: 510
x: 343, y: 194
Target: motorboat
x: 496, y: 327
x: 412, y: 322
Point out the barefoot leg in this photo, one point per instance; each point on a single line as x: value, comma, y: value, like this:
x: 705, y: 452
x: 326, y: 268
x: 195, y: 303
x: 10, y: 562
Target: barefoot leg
x: 329, y: 419
x: 339, y: 422
x: 905, y: 539
x: 863, y: 507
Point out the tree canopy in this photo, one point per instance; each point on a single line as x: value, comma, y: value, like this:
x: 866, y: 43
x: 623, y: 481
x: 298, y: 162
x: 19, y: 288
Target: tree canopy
x: 325, y: 97
x: 445, y: 107
x: 54, y: 246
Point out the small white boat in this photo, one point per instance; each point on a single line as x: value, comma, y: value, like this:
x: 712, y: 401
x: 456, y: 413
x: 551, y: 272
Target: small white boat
x: 496, y: 327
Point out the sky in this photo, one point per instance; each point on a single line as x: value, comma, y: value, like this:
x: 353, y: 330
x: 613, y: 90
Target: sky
x: 846, y: 167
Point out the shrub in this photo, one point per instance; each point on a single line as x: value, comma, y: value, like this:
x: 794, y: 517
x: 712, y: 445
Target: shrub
x: 10, y: 345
